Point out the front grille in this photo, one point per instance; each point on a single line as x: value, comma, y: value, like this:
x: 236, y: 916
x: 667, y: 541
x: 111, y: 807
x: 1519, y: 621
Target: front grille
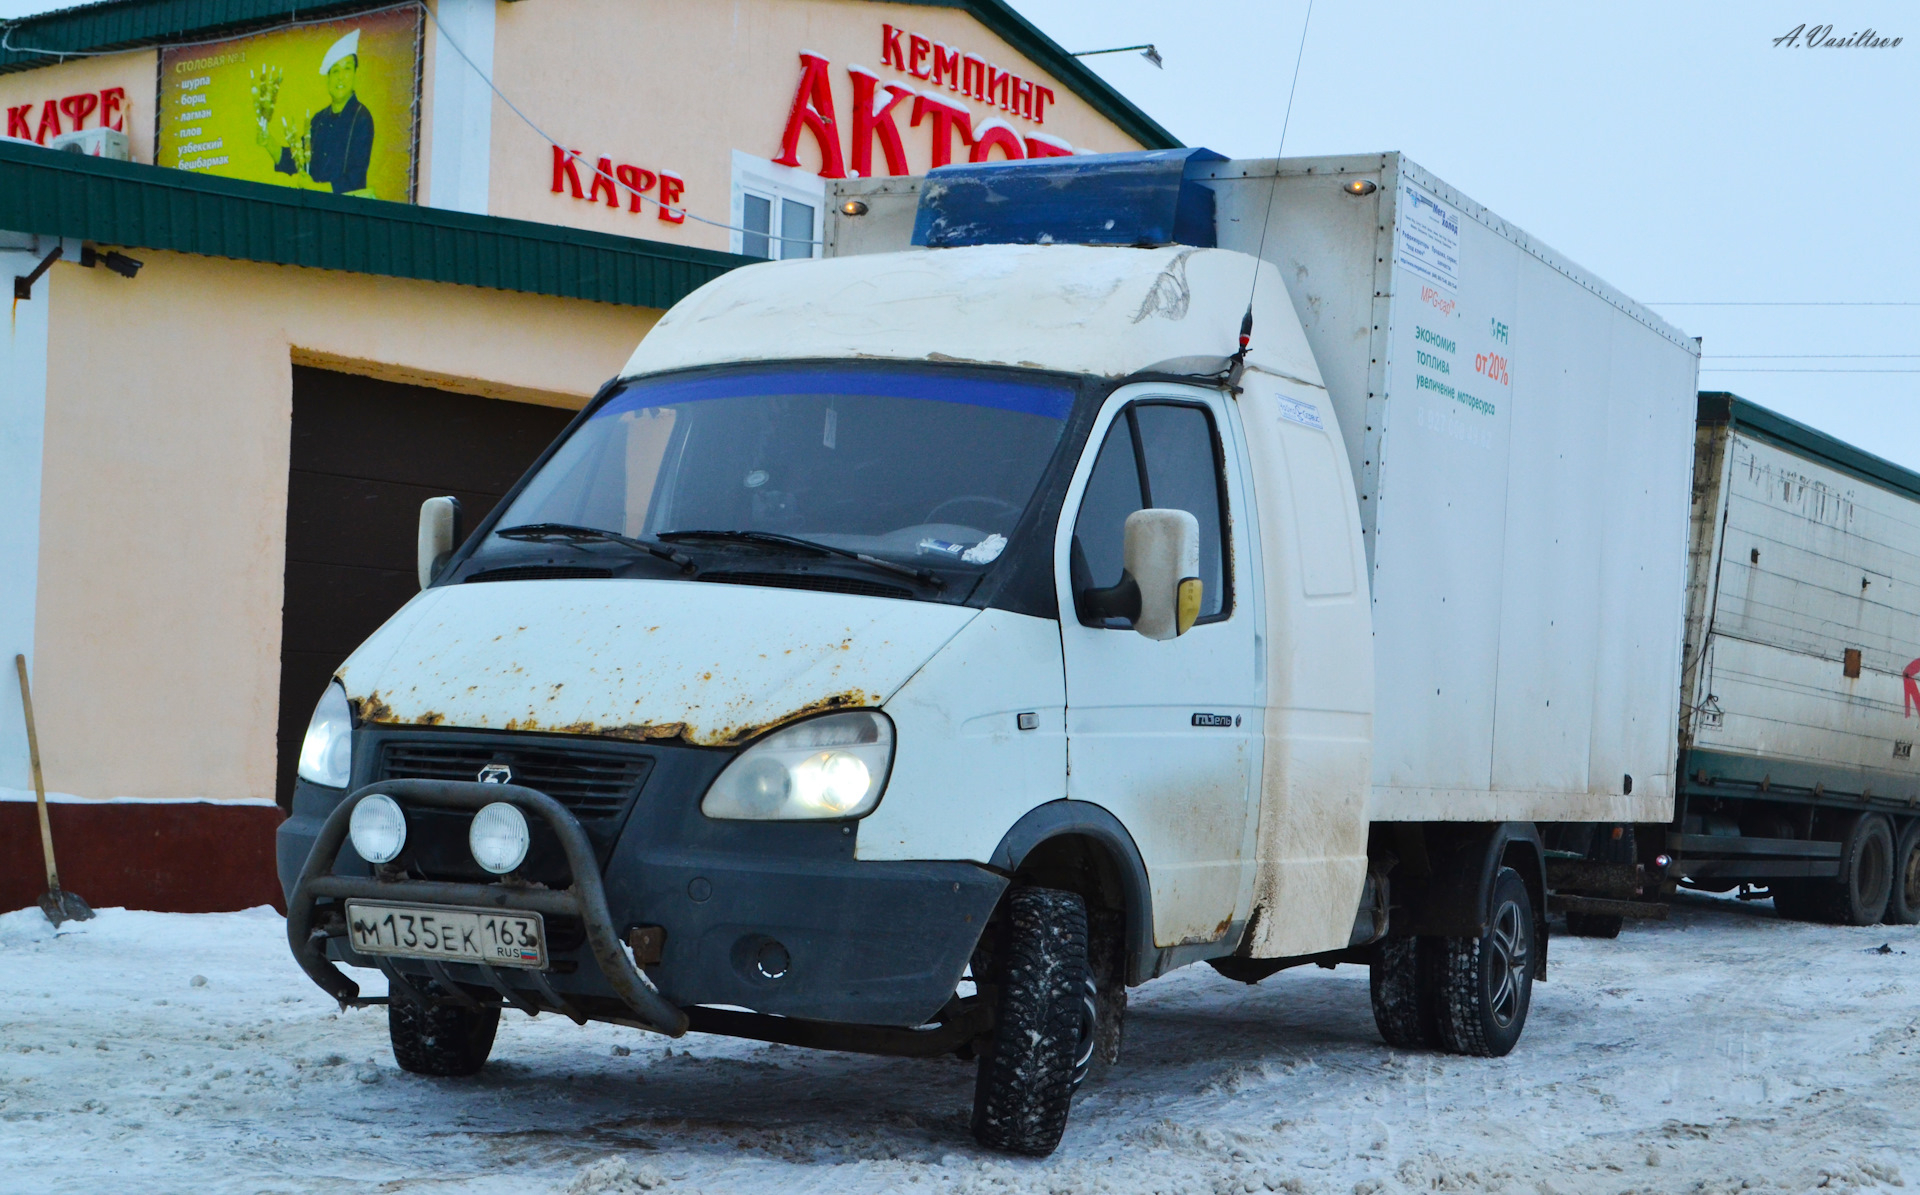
x: 594, y: 785
x: 538, y: 572
x: 826, y: 582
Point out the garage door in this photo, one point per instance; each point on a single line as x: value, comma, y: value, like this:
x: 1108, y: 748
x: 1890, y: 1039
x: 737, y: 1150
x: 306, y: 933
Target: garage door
x: 365, y: 455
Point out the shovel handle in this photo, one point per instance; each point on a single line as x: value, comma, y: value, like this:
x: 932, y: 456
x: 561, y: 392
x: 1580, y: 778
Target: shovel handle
x: 39, y: 785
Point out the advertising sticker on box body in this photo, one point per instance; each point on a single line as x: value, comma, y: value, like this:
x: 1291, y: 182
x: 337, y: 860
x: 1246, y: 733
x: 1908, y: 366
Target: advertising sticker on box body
x: 326, y: 107
x: 1429, y: 236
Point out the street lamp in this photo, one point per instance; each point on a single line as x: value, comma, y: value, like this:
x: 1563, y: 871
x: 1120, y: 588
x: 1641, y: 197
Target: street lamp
x: 1147, y: 52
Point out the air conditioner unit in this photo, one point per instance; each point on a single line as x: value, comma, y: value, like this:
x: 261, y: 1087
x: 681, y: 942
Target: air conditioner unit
x: 95, y: 143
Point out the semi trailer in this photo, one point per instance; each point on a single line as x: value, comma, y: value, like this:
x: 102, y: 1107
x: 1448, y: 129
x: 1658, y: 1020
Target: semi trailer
x: 1798, y: 698
x: 1091, y: 567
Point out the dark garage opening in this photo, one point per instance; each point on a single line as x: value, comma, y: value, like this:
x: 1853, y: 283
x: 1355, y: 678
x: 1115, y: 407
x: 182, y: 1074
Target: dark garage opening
x: 365, y: 454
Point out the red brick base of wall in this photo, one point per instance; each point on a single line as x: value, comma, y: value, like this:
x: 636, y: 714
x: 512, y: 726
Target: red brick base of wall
x: 173, y: 857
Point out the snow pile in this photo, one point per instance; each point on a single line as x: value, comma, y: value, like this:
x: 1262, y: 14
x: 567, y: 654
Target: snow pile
x: 1721, y: 1051
x: 615, y: 1176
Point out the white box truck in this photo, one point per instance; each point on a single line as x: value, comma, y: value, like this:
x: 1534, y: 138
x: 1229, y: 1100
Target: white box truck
x: 1145, y: 560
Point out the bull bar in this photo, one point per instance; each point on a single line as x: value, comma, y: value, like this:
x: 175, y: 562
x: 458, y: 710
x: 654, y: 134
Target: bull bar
x: 585, y: 899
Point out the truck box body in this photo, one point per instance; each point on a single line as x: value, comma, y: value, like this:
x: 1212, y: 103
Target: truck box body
x: 1517, y: 432
x: 1802, y: 621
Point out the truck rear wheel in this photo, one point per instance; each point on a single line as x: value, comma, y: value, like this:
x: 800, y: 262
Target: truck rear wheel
x: 447, y: 1040
x: 1903, y: 905
x: 1400, y: 979
x: 1484, y: 985
x: 1859, y: 895
x: 1043, y: 1035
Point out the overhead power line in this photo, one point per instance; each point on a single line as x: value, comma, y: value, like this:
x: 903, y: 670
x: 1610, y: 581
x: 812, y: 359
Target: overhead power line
x: 1783, y: 303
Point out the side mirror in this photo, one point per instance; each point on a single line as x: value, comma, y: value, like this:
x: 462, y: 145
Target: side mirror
x: 1160, y: 590
x: 1162, y: 554
x: 439, y: 532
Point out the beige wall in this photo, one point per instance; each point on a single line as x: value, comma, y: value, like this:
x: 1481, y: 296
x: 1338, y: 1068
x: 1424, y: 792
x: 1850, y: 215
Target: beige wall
x: 666, y: 84
x: 136, y: 71
x: 163, y: 510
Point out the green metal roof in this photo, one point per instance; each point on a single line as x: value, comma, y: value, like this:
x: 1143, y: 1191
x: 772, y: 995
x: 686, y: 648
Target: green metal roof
x: 1718, y: 406
x: 53, y: 193
x: 131, y: 24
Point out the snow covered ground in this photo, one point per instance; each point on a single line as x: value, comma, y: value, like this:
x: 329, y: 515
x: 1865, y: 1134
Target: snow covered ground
x: 1724, y: 1050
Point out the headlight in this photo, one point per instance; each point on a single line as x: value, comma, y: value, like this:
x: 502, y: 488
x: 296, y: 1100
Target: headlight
x: 829, y: 767
x: 326, y: 757
x: 378, y: 829
x: 499, y: 838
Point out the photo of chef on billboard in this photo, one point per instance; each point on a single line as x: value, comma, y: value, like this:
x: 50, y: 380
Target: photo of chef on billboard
x: 327, y: 107
x: 335, y: 147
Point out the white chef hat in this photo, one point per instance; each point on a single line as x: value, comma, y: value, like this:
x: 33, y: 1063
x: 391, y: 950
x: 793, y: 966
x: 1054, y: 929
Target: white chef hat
x: 350, y: 44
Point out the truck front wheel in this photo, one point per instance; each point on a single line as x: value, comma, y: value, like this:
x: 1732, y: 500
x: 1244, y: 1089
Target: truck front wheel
x: 446, y: 1040
x: 1485, y: 984
x: 1043, y: 1035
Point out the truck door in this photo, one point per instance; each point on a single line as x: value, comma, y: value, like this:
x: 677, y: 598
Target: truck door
x: 1166, y: 735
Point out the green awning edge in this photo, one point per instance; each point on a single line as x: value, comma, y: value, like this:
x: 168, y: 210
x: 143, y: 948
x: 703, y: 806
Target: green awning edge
x: 52, y: 193
x: 136, y: 24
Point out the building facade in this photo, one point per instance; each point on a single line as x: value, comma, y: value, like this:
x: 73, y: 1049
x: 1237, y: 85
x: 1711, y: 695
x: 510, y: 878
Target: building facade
x: 384, y: 252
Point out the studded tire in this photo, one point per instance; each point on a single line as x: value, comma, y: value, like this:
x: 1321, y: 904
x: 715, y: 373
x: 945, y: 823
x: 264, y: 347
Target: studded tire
x: 1484, y: 985
x: 1400, y: 980
x: 1043, y: 1035
x: 445, y: 1040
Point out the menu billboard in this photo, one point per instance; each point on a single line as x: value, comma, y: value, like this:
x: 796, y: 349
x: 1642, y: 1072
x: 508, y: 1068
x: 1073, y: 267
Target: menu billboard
x: 328, y: 106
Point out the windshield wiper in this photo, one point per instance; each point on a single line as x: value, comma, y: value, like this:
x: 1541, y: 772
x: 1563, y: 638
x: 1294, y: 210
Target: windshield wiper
x: 569, y: 533
x: 776, y: 539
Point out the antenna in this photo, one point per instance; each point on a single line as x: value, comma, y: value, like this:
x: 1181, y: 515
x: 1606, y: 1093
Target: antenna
x: 1246, y: 322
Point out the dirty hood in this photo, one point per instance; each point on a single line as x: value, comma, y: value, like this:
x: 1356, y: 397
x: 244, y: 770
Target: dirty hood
x: 699, y: 663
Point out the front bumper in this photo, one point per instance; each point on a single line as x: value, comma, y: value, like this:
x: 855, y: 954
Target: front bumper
x: 779, y: 918
x: 584, y: 899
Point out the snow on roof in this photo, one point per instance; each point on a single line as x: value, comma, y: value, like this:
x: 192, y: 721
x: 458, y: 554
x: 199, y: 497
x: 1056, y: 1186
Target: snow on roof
x: 1079, y: 309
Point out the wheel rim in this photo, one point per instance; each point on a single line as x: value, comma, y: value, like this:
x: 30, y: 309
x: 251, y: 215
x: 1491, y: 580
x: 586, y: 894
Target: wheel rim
x: 1506, y: 963
x: 1089, y: 1022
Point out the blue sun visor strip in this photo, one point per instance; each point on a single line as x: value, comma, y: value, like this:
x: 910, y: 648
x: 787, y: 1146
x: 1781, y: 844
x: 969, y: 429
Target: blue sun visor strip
x: 1052, y: 399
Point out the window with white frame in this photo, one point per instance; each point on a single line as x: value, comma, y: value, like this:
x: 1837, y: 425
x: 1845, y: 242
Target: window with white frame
x: 776, y: 209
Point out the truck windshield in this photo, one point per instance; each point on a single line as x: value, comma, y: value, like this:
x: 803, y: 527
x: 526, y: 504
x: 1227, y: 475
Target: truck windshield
x: 930, y: 468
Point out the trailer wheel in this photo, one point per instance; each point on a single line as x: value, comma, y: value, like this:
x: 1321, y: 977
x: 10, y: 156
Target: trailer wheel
x: 1903, y: 905
x: 1043, y: 1030
x: 1793, y: 899
x: 1860, y: 894
x: 1485, y: 984
x: 1401, y: 979
x: 446, y: 1040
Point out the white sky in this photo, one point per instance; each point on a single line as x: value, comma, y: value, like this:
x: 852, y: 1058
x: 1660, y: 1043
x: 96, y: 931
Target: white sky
x: 1669, y: 148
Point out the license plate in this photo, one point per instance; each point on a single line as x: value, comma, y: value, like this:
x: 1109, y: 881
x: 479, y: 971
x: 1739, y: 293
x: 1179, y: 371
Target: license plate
x: 504, y: 939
